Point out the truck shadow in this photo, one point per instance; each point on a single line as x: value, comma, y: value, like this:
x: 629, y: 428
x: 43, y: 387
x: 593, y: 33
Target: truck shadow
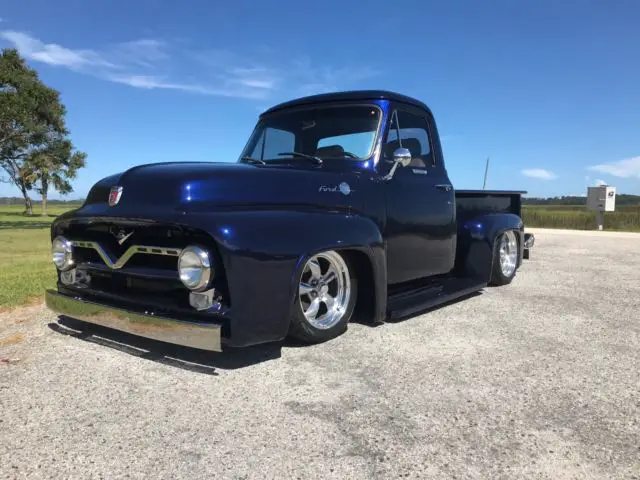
x: 186, y: 358
x: 192, y: 359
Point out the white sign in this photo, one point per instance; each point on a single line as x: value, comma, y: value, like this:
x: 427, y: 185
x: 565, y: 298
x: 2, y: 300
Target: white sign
x: 601, y: 198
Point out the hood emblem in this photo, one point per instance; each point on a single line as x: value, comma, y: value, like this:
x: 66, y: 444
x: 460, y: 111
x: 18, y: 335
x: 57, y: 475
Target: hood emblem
x: 114, y: 195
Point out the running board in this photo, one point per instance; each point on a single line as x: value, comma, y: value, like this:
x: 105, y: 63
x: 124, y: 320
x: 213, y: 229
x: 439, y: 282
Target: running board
x: 407, y: 303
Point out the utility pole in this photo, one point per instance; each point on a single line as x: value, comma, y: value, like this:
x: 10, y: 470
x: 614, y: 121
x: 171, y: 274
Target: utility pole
x: 486, y: 171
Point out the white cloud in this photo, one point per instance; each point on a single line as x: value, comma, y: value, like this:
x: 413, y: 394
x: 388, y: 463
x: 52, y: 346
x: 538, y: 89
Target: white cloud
x: 143, y: 52
x: 149, y: 63
x: 150, y: 82
x: 53, y: 54
x: 599, y: 182
x: 258, y: 83
x: 142, y: 81
x: 539, y: 173
x: 313, y: 79
x: 627, y: 168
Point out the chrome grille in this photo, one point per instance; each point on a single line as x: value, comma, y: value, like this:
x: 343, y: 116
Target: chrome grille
x: 118, y: 263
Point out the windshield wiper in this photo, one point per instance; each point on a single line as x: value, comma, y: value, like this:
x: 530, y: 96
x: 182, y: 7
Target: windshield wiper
x: 254, y: 160
x: 316, y: 160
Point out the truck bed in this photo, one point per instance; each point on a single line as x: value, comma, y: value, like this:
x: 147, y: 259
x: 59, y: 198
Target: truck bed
x: 470, y: 203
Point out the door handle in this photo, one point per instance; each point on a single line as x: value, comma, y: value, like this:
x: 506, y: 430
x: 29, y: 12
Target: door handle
x: 444, y: 186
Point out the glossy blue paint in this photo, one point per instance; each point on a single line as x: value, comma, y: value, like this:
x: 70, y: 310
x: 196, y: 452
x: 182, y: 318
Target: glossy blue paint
x: 476, y: 242
x: 381, y: 97
x: 264, y: 221
x: 266, y: 251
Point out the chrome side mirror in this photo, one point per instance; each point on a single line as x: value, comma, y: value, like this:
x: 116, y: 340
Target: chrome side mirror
x: 402, y: 156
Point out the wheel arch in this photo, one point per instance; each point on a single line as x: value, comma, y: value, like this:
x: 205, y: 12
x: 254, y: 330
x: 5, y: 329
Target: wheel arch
x: 476, y: 239
x: 369, y: 264
x: 367, y: 301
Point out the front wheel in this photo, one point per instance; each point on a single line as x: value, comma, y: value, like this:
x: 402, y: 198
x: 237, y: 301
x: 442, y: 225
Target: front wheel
x: 505, y: 259
x: 326, y: 298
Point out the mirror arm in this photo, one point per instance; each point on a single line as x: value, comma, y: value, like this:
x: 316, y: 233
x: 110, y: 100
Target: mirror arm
x: 389, y: 175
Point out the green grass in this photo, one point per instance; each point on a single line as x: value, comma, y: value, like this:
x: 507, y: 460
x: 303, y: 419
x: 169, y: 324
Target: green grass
x: 25, y: 261
x: 625, y: 218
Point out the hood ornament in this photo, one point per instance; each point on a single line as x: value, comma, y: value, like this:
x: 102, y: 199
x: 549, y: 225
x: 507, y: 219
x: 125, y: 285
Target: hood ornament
x: 122, y: 237
x: 114, y: 195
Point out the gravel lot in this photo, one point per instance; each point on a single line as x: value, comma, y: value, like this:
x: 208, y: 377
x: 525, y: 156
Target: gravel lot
x: 538, y: 379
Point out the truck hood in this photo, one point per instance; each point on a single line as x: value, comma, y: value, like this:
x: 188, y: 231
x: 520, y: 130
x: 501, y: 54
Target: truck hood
x: 187, y: 187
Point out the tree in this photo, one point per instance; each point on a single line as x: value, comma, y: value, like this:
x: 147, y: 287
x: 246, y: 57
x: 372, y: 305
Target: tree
x: 53, y: 166
x: 31, y: 125
x: 19, y: 177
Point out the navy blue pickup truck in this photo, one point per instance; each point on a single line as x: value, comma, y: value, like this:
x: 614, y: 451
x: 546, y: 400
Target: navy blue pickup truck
x: 339, y: 205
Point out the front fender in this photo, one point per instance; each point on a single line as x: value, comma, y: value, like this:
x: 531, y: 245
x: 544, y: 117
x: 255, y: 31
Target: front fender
x: 476, y: 241
x: 263, y: 251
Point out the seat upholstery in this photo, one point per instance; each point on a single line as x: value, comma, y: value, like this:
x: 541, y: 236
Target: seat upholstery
x: 330, y: 151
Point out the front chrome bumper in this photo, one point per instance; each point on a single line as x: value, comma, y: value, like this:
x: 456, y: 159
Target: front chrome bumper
x: 205, y: 336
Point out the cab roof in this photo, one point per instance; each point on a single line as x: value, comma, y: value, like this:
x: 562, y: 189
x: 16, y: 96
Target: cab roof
x: 350, y: 95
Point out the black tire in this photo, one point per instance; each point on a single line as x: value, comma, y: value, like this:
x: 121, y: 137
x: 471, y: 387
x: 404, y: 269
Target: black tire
x: 303, y: 331
x: 498, y: 278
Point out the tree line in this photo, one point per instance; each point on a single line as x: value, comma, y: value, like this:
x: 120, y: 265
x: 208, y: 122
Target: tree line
x: 50, y: 202
x: 621, y: 199
x: 36, y: 153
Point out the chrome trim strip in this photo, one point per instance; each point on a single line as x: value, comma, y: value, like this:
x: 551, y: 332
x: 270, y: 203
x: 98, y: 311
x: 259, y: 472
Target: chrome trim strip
x: 131, y: 251
x: 205, y: 336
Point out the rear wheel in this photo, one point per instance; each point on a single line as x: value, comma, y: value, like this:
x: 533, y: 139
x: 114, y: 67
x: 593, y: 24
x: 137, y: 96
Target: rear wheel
x: 327, y: 293
x: 505, y: 259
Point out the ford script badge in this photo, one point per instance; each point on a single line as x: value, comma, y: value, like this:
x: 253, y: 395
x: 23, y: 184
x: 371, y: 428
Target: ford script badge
x: 345, y: 189
x: 114, y: 195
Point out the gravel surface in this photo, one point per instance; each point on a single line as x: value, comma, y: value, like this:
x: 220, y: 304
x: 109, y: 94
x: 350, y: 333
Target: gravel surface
x: 538, y: 379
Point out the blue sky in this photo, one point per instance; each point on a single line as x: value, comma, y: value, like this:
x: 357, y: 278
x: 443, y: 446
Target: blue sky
x: 549, y: 90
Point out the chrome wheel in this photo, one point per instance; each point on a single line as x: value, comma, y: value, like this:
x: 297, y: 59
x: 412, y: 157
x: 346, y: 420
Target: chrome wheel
x: 325, y: 289
x: 508, y: 253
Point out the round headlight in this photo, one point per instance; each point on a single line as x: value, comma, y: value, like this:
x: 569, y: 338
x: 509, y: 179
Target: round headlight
x: 194, y: 268
x: 62, y: 253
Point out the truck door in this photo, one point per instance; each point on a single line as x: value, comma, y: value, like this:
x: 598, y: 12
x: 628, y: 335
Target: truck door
x: 420, y: 230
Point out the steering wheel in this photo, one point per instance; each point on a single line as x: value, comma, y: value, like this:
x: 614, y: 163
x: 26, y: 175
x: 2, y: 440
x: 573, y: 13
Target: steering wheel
x: 350, y: 155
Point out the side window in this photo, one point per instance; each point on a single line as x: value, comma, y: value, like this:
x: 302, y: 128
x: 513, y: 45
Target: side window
x: 414, y: 135
x: 272, y: 142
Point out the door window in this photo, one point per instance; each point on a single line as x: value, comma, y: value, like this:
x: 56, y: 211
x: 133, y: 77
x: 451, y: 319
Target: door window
x: 414, y: 135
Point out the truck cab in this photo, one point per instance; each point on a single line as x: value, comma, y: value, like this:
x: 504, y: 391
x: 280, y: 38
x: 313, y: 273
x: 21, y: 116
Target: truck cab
x: 339, y: 204
x: 373, y: 134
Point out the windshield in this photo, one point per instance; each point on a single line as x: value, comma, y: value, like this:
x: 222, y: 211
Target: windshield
x: 345, y: 132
